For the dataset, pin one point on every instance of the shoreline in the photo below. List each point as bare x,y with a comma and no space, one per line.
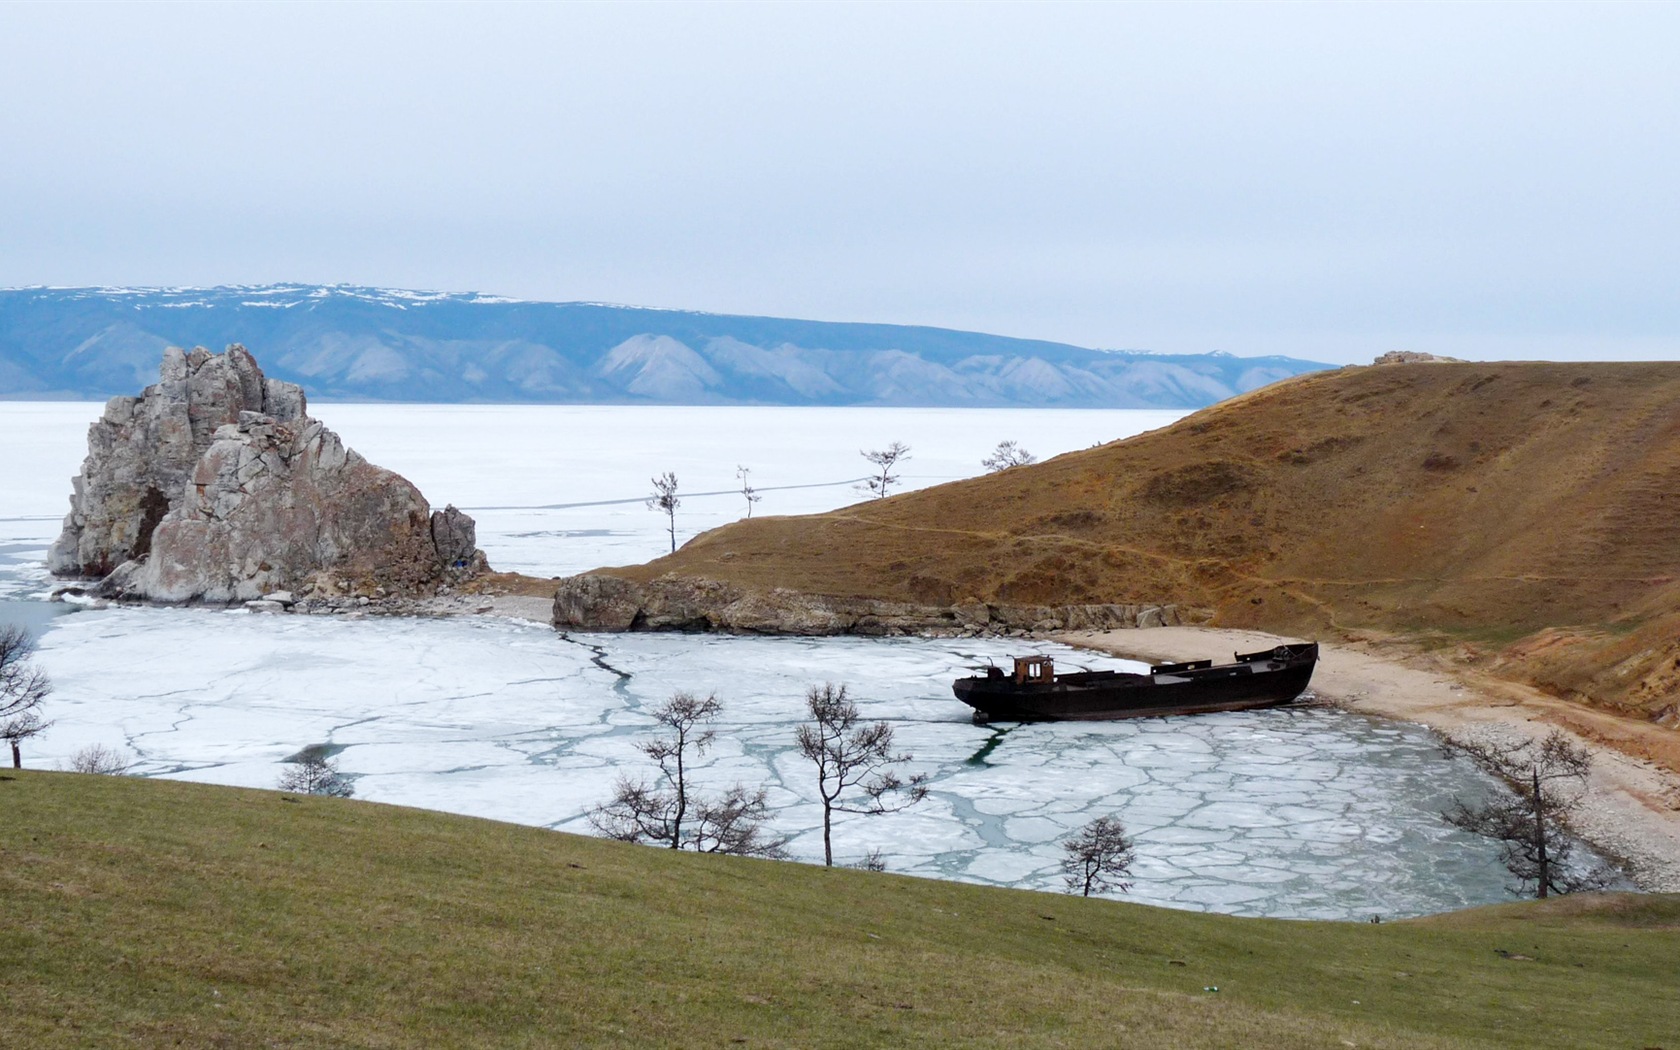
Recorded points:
1631,809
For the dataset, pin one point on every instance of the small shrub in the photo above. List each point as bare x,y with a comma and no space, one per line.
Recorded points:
315,774
102,760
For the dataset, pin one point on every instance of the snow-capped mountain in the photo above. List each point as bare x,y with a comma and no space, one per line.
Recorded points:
351,343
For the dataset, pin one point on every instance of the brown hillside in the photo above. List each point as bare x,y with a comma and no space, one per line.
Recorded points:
1525,510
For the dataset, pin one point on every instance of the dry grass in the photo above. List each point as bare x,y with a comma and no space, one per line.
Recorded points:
496,583
1475,504
154,913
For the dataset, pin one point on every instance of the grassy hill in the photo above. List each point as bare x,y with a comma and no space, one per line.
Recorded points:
1525,512
153,913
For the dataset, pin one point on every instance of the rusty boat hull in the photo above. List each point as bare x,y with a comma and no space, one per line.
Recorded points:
1036,694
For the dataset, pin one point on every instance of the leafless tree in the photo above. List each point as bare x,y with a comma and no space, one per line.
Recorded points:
1099,858
23,687
884,460
734,824
1531,822
315,774
644,812
668,812
747,491
849,755
1007,454
665,499
97,758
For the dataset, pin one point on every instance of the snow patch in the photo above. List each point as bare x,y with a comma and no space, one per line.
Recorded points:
658,366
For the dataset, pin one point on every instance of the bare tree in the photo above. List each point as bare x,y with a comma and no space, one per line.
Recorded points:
23,687
849,755
314,774
641,812
1545,778
1099,858
884,460
665,499
747,491
97,758
667,812
734,824
1007,454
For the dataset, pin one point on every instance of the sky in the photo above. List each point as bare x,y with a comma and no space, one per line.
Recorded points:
1329,181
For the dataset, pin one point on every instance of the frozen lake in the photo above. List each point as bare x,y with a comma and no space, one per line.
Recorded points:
560,488
1307,813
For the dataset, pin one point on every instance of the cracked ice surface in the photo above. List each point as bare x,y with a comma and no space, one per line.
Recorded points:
1299,812
1295,813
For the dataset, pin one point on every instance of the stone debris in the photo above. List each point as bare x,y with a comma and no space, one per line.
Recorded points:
215,485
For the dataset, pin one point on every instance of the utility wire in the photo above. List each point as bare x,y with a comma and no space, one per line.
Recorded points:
690,495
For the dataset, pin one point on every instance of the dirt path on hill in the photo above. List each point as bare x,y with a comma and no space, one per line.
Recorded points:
1632,808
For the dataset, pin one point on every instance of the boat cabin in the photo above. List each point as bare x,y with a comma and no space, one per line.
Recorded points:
1034,669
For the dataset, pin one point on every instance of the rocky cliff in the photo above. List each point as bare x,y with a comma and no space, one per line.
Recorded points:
215,485
599,602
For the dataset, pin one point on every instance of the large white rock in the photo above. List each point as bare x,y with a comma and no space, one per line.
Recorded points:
215,485
141,451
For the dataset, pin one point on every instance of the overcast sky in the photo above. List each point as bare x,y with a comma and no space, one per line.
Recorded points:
1323,181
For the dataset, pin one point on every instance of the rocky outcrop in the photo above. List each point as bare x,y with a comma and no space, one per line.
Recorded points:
143,449
598,602
1412,357
215,485
454,536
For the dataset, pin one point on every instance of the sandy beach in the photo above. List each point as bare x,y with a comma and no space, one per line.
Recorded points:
1632,805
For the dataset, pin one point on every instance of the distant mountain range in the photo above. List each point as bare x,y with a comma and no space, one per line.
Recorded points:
375,344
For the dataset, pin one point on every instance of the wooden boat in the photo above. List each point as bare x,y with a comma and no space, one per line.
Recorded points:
1036,693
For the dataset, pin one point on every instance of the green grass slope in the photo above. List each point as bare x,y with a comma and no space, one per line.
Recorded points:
154,913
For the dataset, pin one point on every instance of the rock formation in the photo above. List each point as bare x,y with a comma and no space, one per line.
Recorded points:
599,602
455,537
215,485
1412,357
